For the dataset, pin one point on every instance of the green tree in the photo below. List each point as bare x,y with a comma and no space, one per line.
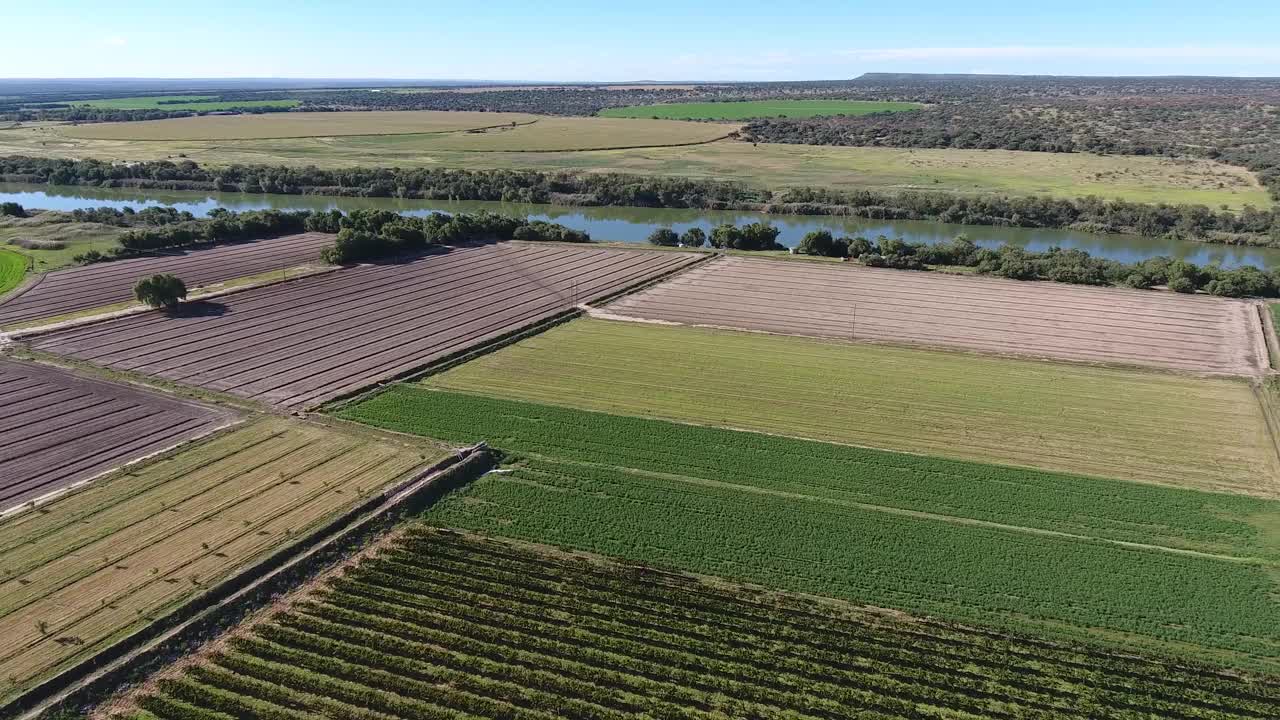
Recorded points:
693,237
665,237
160,291
816,242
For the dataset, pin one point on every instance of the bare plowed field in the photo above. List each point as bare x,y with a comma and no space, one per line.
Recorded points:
1039,319
300,343
106,560
57,427
103,284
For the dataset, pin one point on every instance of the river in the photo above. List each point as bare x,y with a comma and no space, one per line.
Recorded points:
629,224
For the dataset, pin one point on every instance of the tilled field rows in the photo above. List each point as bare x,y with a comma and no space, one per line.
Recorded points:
1107,325
57,427
107,559
448,626
94,286
304,342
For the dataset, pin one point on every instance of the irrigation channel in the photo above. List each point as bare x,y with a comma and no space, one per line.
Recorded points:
632,224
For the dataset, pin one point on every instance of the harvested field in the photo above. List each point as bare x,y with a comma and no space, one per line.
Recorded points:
300,343
104,561
449,625
295,125
57,428
102,284
1039,319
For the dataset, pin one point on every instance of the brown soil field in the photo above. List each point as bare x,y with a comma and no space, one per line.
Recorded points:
107,559
296,124
1037,319
102,284
57,428
300,343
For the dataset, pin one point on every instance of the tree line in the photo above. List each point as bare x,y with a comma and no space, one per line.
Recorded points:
1076,267
365,235
1252,226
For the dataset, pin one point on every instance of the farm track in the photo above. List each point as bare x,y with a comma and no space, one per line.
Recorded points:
1194,334
304,342
448,625
104,560
58,428
93,286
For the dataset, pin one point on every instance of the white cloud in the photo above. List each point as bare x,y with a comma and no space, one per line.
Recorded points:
1032,52
115,41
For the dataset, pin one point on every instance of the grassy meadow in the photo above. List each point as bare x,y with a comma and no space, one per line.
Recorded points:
75,238
13,267
749,109
1178,570
403,142
1138,425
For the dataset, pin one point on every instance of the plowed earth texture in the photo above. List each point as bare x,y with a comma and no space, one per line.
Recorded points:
102,284
1039,319
57,427
300,343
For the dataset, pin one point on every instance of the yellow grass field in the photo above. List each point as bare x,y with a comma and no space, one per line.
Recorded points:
1207,434
102,562
553,144
468,131
291,125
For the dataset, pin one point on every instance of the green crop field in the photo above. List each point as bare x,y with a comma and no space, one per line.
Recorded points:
65,239
749,109
12,269
174,102
1208,433
277,138
1185,571
443,625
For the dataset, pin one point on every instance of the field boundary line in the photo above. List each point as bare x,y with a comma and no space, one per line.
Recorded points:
1269,335
32,504
167,388
919,514
726,136
136,308
304,137
465,355
253,586
28,284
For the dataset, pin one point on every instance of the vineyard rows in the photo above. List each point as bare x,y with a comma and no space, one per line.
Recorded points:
846,522
451,626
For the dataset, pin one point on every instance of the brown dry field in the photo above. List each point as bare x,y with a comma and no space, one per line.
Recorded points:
58,428
295,124
300,343
106,560
101,284
1037,319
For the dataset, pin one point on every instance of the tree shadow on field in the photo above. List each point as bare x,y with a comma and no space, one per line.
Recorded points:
196,309
406,258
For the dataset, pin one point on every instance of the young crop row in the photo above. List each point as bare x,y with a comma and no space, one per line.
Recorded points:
975,573
452,626
1092,507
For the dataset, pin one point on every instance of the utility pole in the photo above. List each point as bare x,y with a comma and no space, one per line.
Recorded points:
853,321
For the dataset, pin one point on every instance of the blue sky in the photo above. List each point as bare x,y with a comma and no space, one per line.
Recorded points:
655,39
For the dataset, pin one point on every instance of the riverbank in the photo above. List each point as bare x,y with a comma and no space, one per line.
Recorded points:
633,224
1093,213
